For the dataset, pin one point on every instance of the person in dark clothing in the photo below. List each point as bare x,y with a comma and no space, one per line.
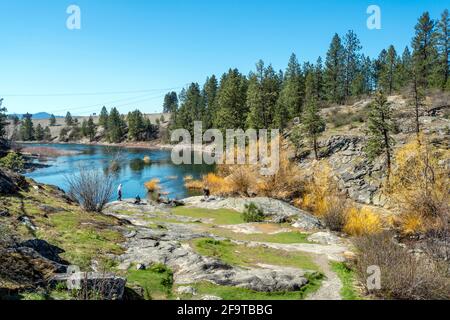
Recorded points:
137,200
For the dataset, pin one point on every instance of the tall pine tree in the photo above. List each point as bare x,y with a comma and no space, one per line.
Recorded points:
334,71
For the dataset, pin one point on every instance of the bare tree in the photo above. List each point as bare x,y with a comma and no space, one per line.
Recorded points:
92,188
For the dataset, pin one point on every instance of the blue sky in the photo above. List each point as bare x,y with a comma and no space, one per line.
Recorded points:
128,53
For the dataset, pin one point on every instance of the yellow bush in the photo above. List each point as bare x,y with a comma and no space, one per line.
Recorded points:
216,184
188,178
147,160
411,224
152,185
320,190
419,187
362,222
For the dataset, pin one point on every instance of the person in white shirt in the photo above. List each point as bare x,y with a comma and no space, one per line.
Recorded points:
119,192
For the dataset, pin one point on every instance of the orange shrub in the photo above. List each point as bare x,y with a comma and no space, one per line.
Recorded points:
152,185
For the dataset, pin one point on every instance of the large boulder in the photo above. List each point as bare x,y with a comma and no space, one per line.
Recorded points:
91,285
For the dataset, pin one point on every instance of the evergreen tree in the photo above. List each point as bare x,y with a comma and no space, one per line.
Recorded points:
91,129
352,48
69,120
318,79
135,125
52,120
363,82
379,129
334,71
262,96
3,122
103,118
39,133
209,94
27,128
424,45
405,68
443,42
150,130
191,109
116,126
291,98
170,102
312,123
388,71
231,104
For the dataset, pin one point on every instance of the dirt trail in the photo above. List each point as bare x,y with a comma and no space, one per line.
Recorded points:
331,286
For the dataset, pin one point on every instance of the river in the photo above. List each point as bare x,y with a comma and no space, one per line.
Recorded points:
130,169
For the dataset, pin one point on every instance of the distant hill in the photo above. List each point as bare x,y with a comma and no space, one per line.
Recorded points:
38,116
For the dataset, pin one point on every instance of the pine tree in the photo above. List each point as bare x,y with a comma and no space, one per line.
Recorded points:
312,123
39,133
388,71
291,98
209,94
91,129
363,82
3,122
231,104
405,68
116,126
135,125
170,102
379,130
52,120
69,120
103,118
424,45
262,96
352,48
334,71
150,130
318,79
443,42
191,109
27,128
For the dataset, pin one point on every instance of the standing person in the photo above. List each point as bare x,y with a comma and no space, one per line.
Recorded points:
119,192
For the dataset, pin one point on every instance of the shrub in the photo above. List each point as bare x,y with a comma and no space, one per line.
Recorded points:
216,184
193,184
241,180
91,188
403,275
12,161
362,222
335,215
152,185
252,213
419,188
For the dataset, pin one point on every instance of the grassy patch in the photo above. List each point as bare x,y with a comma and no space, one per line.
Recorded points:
156,281
84,236
245,256
221,216
347,278
234,293
282,237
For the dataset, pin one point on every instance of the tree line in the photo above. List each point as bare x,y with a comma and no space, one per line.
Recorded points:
267,98
116,128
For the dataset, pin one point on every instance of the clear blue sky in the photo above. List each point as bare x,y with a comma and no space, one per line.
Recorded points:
153,45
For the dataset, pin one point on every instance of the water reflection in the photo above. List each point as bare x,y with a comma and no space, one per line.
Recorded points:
127,165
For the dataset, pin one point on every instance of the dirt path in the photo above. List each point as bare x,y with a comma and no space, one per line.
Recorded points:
331,286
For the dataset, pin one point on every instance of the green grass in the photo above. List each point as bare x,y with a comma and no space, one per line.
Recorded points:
220,217
84,236
235,293
242,255
347,278
282,237
156,281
